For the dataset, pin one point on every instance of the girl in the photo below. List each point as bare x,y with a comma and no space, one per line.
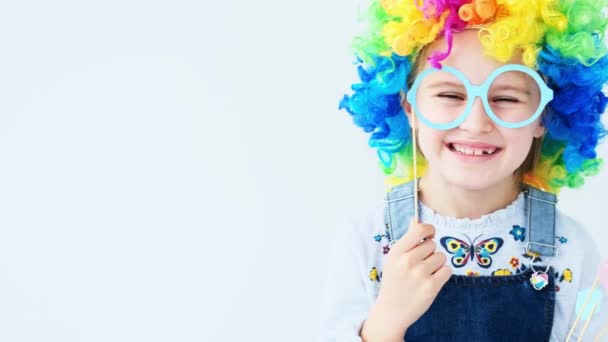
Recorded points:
504,99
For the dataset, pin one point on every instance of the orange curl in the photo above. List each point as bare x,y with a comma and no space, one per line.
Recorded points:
536,182
485,8
468,14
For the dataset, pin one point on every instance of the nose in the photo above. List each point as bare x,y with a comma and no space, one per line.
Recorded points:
478,120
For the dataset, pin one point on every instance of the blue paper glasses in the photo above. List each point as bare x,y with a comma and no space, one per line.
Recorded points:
513,96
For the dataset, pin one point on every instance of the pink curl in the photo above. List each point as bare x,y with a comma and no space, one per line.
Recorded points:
453,23
434,8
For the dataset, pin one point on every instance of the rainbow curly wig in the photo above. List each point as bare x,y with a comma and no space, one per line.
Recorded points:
563,40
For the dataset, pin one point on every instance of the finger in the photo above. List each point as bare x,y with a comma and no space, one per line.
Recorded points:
414,236
442,275
433,262
422,251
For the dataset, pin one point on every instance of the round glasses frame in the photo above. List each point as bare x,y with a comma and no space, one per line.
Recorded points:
473,91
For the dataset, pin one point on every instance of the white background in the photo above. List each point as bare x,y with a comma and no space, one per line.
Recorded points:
174,171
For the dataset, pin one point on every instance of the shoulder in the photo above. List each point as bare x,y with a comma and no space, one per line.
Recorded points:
571,233
362,231
363,222
577,250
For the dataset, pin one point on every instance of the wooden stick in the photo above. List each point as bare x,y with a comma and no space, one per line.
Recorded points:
416,218
580,337
578,317
602,333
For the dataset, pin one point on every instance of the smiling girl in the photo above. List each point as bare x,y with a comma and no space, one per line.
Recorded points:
505,98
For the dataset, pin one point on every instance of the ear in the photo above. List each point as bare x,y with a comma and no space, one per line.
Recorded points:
407,108
539,131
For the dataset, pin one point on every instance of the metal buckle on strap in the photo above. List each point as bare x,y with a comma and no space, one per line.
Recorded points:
527,247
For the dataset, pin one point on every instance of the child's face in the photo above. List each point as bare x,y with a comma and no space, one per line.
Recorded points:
474,172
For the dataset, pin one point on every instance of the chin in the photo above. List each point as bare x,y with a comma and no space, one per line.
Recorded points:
472,182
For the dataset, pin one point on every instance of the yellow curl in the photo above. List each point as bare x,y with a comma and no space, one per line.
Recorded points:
413,30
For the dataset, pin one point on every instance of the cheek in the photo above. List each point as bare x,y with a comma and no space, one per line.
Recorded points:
519,142
430,141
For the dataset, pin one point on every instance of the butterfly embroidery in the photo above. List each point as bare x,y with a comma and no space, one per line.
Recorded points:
463,252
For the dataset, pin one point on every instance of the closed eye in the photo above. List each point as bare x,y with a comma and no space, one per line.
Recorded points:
451,96
505,99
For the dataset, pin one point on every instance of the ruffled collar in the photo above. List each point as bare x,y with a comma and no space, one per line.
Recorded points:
511,214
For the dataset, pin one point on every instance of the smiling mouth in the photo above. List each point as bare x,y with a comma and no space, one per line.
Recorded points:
470,151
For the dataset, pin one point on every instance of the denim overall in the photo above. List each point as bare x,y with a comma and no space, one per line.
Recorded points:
486,308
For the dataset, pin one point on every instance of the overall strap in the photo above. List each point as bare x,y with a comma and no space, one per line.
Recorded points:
398,210
540,215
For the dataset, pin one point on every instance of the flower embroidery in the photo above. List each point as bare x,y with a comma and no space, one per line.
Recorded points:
561,239
518,233
514,262
385,249
501,272
532,255
378,237
566,275
373,274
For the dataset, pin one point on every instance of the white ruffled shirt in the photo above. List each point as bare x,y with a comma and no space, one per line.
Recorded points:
355,266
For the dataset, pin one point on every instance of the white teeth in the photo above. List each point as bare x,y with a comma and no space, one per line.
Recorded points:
473,151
